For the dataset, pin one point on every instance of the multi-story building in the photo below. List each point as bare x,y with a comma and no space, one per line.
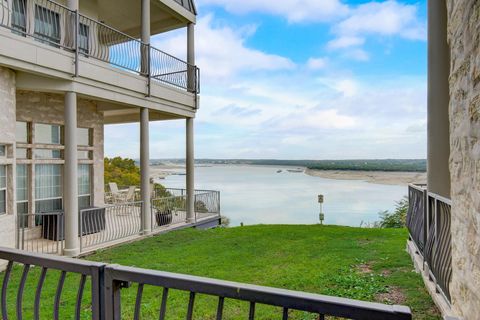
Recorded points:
67,69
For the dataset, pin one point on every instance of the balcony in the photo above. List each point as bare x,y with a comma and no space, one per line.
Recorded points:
45,38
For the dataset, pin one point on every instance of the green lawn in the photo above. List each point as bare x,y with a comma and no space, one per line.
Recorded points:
367,264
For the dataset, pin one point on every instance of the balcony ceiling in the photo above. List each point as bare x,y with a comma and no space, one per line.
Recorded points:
166,15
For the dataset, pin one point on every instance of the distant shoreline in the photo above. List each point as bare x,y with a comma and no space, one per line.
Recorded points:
378,177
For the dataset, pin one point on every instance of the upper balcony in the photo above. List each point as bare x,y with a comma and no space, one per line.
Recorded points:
54,48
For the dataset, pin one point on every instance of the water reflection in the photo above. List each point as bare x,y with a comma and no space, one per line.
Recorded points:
258,194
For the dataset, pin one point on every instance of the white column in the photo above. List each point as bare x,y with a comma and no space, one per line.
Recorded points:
145,170
191,56
72,4
190,167
70,183
438,145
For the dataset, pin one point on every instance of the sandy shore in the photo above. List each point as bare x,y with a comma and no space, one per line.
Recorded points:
381,177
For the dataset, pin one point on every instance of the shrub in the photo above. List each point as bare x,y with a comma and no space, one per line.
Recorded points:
397,218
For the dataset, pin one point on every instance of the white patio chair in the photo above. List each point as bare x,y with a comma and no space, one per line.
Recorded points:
130,196
116,194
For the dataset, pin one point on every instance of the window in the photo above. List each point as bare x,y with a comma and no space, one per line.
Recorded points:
48,188
22,153
21,132
47,25
47,133
19,22
22,189
84,155
83,136
48,154
83,38
3,189
3,151
84,186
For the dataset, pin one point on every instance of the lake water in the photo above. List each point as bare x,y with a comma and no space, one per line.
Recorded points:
260,195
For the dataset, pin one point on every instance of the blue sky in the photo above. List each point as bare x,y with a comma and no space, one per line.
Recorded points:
300,79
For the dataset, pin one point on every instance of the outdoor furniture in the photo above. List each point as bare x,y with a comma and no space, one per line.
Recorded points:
116,195
53,226
164,217
130,196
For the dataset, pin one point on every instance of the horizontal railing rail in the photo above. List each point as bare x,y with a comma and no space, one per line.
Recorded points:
41,232
429,224
54,24
108,281
104,225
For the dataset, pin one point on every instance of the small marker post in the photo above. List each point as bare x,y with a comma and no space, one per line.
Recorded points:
321,216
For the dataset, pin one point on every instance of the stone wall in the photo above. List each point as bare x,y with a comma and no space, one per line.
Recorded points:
464,40
7,137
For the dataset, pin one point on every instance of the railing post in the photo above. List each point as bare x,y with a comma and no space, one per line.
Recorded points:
149,69
425,222
76,30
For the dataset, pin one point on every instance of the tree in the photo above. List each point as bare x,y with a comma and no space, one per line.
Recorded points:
397,218
122,171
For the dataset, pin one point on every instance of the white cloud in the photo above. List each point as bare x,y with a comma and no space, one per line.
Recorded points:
345,42
316,63
221,51
293,10
387,18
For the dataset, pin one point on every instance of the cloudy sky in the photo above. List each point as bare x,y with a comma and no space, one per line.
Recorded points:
300,79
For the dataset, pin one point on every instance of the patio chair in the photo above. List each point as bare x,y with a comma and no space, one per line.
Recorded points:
116,194
130,196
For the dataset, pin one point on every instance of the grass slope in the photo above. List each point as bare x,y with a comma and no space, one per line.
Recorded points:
367,264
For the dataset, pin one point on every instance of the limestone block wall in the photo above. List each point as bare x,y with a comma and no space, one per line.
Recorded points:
7,137
464,40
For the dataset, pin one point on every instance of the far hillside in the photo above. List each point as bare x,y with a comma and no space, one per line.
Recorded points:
405,165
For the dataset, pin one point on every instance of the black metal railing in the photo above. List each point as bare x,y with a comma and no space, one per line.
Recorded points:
54,24
41,232
86,270
429,222
109,281
417,197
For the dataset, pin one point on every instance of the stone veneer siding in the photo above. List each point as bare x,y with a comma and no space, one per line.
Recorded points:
464,40
7,137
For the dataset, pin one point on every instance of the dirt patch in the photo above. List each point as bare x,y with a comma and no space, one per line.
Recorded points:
394,295
364,242
386,272
365,268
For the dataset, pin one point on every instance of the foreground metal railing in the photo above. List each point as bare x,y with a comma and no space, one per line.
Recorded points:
108,224
54,24
109,282
41,232
50,266
429,222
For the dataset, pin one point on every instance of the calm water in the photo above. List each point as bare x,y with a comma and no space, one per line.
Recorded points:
258,194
